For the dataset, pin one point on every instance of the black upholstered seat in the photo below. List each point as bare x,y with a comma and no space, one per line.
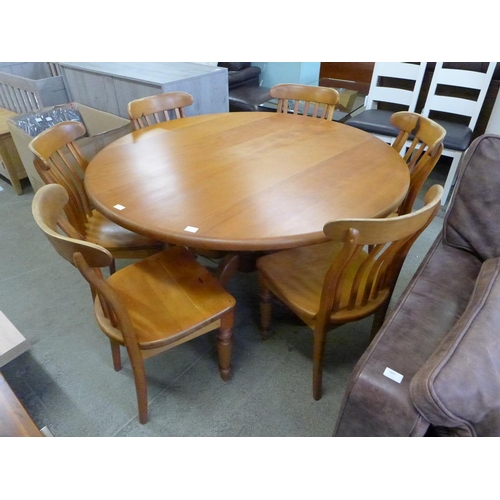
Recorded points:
374,121
458,137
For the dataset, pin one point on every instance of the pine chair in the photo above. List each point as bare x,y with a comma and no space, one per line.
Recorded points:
164,107
308,100
148,307
336,282
58,160
395,86
447,104
157,108
420,141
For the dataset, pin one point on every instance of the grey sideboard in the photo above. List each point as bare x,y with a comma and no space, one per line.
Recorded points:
111,86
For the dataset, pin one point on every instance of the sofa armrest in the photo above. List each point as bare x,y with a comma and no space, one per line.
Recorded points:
433,301
459,385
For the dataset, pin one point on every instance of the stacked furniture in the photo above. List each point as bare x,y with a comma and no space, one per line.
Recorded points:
433,368
28,86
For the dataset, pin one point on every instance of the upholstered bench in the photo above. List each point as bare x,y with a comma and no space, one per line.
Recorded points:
434,366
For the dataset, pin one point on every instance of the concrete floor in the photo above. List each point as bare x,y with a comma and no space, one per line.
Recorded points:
66,380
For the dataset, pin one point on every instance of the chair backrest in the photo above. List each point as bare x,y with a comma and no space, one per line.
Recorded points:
58,160
359,281
442,96
48,209
422,141
318,102
387,85
157,108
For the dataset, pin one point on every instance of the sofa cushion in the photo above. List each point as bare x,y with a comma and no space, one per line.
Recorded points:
471,220
374,121
459,385
434,300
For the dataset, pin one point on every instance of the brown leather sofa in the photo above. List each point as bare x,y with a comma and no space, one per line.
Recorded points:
443,335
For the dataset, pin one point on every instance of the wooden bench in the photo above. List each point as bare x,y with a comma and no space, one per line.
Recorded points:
14,419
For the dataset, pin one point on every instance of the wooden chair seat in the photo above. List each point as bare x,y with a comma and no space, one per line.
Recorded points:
297,276
121,242
173,300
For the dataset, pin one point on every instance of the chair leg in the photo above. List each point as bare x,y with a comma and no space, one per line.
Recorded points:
265,307
378,319
318,357
450,179
115,353
225,344
141,387
227,268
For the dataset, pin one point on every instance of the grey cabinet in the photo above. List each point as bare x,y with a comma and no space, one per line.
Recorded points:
111,86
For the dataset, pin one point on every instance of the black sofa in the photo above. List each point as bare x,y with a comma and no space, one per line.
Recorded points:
245,93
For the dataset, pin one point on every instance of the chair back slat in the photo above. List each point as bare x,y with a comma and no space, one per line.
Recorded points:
154,109
308,100
420,141
59,160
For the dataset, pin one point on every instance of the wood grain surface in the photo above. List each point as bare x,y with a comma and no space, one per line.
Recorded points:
245,181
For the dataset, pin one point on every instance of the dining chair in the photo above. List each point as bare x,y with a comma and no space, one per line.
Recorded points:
339,281
157,108
58,160
308,100
148,307
395,86
420,142
454,100
164,107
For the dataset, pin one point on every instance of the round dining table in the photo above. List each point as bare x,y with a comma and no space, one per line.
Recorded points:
246,181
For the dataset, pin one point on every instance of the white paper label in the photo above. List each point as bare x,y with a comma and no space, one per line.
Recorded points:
397,377
119,207
191,229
